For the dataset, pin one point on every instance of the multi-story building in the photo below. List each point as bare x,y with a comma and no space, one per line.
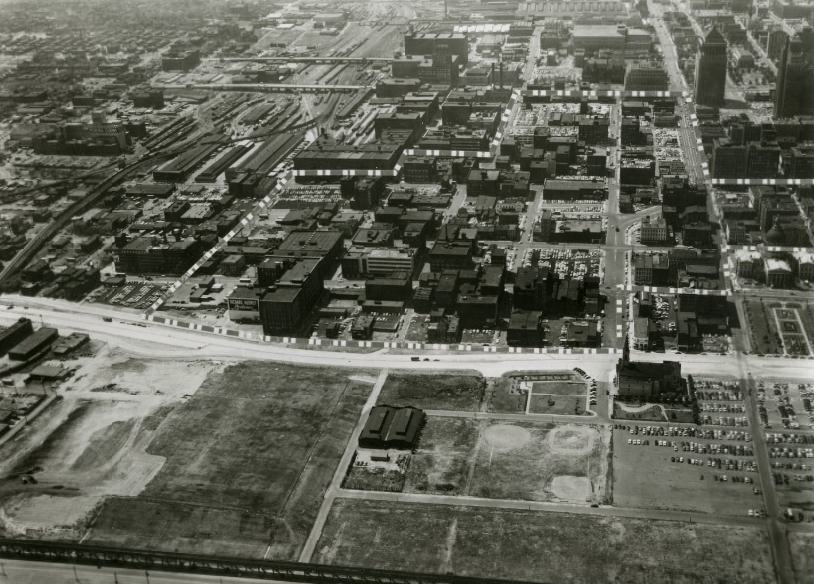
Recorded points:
654,231
437,44
378,261
649,269
728,159
291,297
795,81
762,160
646,77
710,76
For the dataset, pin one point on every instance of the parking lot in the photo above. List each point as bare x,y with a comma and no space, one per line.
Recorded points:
567,263
785,408
685,467
138,295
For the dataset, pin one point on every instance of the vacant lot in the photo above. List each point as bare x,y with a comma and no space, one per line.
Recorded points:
504,397
541,546
247,460
645,477
90,444
444,459
542,462
434,391
571,405
801,545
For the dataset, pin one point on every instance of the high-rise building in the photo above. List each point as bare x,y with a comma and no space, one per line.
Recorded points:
776,42
710,71
795,79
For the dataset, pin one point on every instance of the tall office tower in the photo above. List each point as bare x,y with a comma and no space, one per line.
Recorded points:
795,80
710,71
776,43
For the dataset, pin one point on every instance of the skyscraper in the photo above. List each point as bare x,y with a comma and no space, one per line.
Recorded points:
710,71
795,79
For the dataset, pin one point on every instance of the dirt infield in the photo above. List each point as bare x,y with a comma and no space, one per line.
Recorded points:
506,437
571,440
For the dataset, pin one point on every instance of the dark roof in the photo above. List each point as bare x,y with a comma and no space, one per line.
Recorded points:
715,37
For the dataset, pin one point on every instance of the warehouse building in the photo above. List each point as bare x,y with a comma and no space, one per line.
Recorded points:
33,344
14,335
391,427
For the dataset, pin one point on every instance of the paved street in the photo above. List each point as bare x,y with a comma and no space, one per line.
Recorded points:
147,339
607,511
336,483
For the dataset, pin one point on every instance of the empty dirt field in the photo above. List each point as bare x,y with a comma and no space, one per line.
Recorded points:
644,476
434,391
541,546
246,461
91,443
494,459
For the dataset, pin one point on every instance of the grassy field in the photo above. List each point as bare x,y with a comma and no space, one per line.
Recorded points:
573,405
645,477
434,391
654,413
247,460
504,398
541,546
443,461
801,545
762,328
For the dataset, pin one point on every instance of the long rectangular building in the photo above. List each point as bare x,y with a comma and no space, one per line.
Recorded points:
14,335
33,344
332,156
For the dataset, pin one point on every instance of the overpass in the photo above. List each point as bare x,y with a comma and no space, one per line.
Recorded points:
311,60
263,87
